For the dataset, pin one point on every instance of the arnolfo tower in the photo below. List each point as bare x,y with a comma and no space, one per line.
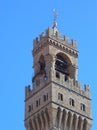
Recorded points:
57,101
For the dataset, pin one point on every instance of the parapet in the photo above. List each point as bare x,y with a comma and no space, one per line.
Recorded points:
54,36
75,87
28,91
82,90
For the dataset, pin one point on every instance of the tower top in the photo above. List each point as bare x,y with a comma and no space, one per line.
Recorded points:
57,100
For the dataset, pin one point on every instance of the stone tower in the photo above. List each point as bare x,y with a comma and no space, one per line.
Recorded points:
57,101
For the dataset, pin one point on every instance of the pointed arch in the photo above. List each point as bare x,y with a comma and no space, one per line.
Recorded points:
79,122
47,116
30,125
63,120
64,65
39,121
58,117
35,124
74,123
43,119
85,124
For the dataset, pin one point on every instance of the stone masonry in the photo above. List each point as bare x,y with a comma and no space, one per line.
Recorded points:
57,100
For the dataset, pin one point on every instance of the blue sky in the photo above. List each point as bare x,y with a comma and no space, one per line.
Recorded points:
20,22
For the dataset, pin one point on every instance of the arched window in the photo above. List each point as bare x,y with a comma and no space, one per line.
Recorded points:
61,64
60,96
42,64
82,107
71,101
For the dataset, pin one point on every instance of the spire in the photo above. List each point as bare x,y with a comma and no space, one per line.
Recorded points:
55,30
55,18
55,14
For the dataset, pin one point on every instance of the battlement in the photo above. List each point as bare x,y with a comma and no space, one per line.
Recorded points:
52,36
28,91
70,85
83,90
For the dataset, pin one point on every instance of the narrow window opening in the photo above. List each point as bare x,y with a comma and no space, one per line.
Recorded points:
71,102
45,97
29,108
66,79
82,107
37,103
57,75
60,96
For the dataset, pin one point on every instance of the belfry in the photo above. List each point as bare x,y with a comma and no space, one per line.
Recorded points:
56,100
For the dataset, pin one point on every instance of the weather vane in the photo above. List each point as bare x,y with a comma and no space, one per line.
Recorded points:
55,14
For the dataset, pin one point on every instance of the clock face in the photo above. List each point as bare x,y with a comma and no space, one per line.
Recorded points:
45,78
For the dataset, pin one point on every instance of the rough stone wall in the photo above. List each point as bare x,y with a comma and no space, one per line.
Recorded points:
48,105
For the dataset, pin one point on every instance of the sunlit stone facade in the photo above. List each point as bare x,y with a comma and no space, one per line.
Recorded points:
56,100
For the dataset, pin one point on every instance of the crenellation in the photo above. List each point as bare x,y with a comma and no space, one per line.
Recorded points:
56,40
36,41
74,44
43,38
83,92
27,91
53,33
51,37
48,32
69,84
57,100
42,34
66,40
78,85
87,88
